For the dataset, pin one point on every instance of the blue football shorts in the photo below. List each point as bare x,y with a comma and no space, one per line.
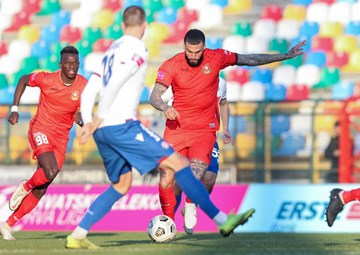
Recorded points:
214,164
130,145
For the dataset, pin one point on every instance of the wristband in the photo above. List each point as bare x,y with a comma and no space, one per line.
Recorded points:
14,108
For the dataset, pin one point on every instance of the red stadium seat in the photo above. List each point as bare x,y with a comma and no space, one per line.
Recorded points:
239,75
3,48
272,11
31,6
113,5
177,31
337,59
322,43
297,92
187,15
329,2
18,20
70,34
102,44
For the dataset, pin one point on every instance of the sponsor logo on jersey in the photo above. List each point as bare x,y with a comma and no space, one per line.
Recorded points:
161,75
75,95
206,69
138,59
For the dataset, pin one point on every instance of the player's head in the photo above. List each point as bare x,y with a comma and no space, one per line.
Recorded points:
134,21
194,44
69,62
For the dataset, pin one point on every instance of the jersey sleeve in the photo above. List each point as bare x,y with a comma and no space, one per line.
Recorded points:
222,88
36,78
88,97
165,74
227,58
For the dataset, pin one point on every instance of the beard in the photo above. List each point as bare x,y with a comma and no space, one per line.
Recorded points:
194,64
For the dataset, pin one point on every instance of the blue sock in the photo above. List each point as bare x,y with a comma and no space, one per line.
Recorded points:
100,207
196,191
178,201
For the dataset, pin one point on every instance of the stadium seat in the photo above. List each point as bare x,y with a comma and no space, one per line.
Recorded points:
5,21
213,42
275,92
94,7
254,44
113,32
158,31
11,6
324,123
50,63
234,43
320,43
264,29
92,34
263,75
306,47
187,15
31,6
19,49
294,12
237,7
61,18
115,5
176,4
242,28
7,95
103,19
300,123
322,141
3,81
245,143
50,7
352,28
102,44
18,145
295,62
29,64
302,2
167,15
3,48
328,77
196,5
340,12
40,49
307,75
287,29
279,45
354,62
30,33
297,92
84,47
331,29
337,59
237,124
253,91
154,5
328,2
279,124
70,34
80,18
177,32
309,29
284,75
19,19
292,143
238,74
221,3
209,17
50,33
317,12
234,91
346,43
342,90
272,11
355,12
144,97
317,58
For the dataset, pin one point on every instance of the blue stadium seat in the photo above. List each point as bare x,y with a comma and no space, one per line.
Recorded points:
40,49
342,90
144,98
7,95
221,3
275,92
309,29
61,18
237,124
263,75
353,28
50,33
167,15
128,3
306,47
317,58
291,144
213,42
302,2
279,124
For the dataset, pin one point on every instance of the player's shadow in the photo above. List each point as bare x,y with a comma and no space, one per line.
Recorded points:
56,235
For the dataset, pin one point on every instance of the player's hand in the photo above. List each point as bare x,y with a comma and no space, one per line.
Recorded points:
96,123
13,118
296,50
171,113
227,137
78,119
84,133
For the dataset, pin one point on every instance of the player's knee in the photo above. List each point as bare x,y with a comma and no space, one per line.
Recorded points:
51,172
39,192
124,184
166,179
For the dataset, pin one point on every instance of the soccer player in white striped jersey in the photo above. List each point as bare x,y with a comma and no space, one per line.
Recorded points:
123,142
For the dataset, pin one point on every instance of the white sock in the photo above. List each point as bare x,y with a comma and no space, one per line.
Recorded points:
79,233
341,196
220,218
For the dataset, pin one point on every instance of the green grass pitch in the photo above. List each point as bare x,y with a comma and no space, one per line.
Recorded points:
38,243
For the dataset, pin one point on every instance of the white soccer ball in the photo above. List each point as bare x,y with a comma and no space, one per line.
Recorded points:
161,228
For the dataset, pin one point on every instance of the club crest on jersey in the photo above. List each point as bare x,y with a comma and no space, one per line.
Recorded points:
206,69
75,95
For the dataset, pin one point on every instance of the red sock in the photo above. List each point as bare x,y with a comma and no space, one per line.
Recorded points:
167,201
351,195
38,179
29,203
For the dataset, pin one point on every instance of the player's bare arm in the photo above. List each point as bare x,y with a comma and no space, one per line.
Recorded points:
199,168
262,59
20,88
156,101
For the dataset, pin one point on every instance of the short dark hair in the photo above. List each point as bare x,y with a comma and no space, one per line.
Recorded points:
194,36
68,50
134,16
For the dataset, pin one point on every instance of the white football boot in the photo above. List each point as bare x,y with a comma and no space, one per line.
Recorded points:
190,217
18,196
6,231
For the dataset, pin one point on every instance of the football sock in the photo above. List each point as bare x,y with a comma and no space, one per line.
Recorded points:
100,207
79,233
36,180
29,203
352,195
167,201
178,201
220,218
196,191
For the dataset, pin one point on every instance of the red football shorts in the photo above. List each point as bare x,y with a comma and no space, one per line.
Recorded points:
42,141
192,144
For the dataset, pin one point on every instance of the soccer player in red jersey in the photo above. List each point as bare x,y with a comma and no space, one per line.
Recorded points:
192,120
48,130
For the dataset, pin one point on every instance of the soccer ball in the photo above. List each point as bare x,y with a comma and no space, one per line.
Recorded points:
161,228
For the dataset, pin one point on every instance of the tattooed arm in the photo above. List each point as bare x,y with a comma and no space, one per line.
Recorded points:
157,102
262,59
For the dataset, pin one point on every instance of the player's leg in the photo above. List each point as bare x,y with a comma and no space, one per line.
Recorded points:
339,198
196,191
166,193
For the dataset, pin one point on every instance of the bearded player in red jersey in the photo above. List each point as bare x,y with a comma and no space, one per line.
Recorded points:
193,119
48,130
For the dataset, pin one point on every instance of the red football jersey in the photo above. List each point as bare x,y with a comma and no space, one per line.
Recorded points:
195,88
58,103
